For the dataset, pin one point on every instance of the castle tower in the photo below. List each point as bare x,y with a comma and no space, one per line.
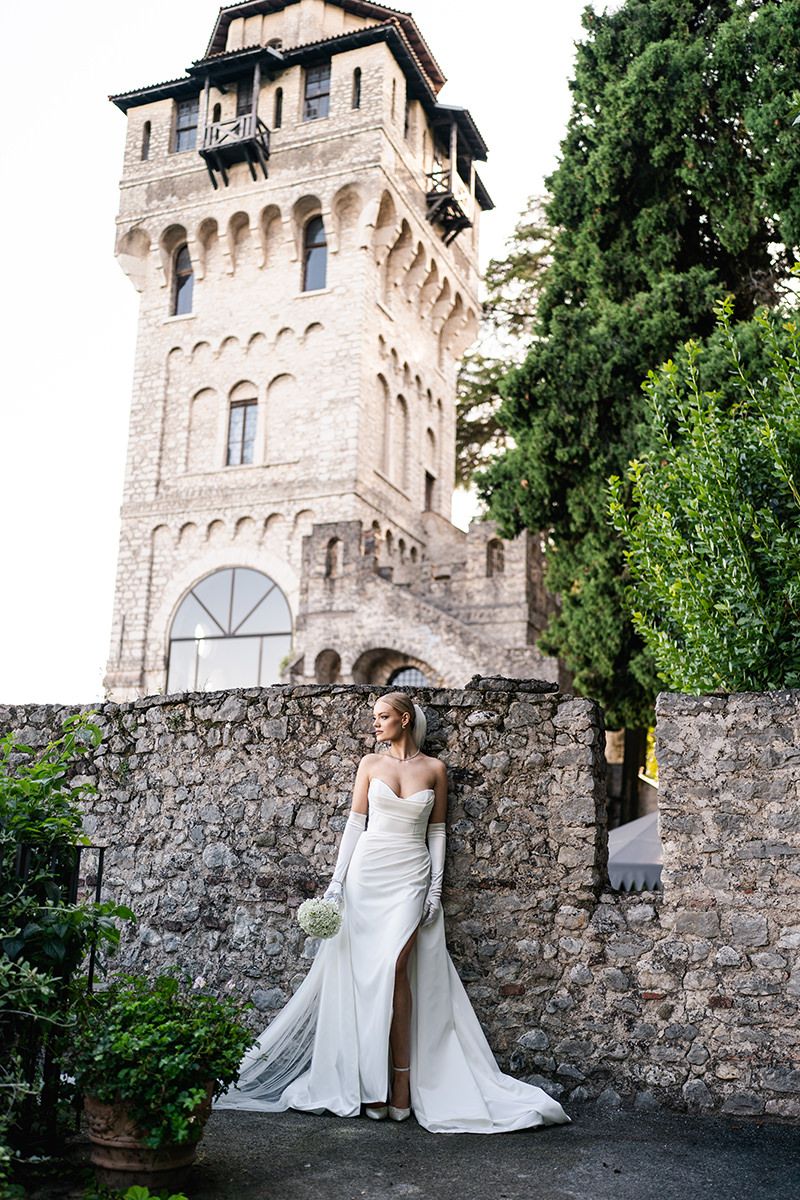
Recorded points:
300,215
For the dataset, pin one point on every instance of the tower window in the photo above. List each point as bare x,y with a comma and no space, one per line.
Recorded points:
216,113
357,88
277,116
495,557
182,283
318,92
430,486
146,130
241,432
394,97
407,119
315,255
244,96
186,124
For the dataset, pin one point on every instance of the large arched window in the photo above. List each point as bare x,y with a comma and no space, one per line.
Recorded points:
231,630
182,282
315,255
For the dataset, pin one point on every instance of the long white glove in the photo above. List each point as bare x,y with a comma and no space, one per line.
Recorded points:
356,824
437,842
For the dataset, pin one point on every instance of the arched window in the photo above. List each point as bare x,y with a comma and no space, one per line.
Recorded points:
495,557
242,418
315,255
232,629
385,421
277,114
408,677
146,131
182,282
394,97
216,113
401,443
357,88
333,559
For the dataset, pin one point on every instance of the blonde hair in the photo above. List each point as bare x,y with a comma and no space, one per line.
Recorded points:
403,703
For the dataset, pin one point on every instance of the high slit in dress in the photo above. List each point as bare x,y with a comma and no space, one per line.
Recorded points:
328,1048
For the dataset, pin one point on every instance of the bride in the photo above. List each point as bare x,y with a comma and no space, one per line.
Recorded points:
382,1019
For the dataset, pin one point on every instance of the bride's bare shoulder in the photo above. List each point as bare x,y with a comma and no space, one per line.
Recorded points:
367,760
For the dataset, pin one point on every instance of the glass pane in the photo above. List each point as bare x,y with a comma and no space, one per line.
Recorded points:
271,616
248,588
235,435
192,620
181,667
215,593
184,286
185,138
316,262
227,663
273,651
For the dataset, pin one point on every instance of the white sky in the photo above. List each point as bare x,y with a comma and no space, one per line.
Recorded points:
69,314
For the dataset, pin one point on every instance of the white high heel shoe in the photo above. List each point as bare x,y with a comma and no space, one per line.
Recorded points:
399,1114
377,1112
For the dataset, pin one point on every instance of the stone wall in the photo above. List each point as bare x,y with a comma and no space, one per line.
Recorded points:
222,813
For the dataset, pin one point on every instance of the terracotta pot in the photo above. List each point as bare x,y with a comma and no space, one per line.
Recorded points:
118,1152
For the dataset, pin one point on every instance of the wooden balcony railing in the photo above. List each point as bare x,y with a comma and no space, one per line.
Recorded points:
243,139
449,203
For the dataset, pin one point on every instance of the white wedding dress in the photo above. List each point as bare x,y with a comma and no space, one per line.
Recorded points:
328,1048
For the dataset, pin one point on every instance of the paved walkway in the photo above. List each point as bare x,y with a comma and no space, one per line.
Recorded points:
602,1155
618,1155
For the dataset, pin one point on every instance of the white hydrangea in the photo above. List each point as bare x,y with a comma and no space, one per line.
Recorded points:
320,918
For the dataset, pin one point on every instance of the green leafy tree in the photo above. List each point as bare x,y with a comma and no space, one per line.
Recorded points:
512,288
712,531
678,182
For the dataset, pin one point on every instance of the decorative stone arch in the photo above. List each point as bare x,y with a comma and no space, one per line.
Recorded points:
387,227
238,240
346,208
385,425
270,233
207,238
133,253
378,663
400,254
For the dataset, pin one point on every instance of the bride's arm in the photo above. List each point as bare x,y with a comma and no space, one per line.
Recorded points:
437,842
353,830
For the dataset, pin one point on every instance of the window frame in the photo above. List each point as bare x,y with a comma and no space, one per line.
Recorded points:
250,405
309,248
181,129
322,98
181,276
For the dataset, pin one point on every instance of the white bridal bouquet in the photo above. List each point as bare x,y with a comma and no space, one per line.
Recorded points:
320,918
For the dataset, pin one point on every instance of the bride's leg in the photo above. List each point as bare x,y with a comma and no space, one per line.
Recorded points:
400,1030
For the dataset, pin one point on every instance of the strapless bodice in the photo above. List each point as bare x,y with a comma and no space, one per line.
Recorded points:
396,815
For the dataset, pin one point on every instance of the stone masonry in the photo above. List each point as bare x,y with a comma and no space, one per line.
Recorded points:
222,812
354,382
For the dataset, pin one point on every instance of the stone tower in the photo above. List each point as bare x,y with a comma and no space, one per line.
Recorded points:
300,216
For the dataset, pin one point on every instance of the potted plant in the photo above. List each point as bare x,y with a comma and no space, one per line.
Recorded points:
149,1059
